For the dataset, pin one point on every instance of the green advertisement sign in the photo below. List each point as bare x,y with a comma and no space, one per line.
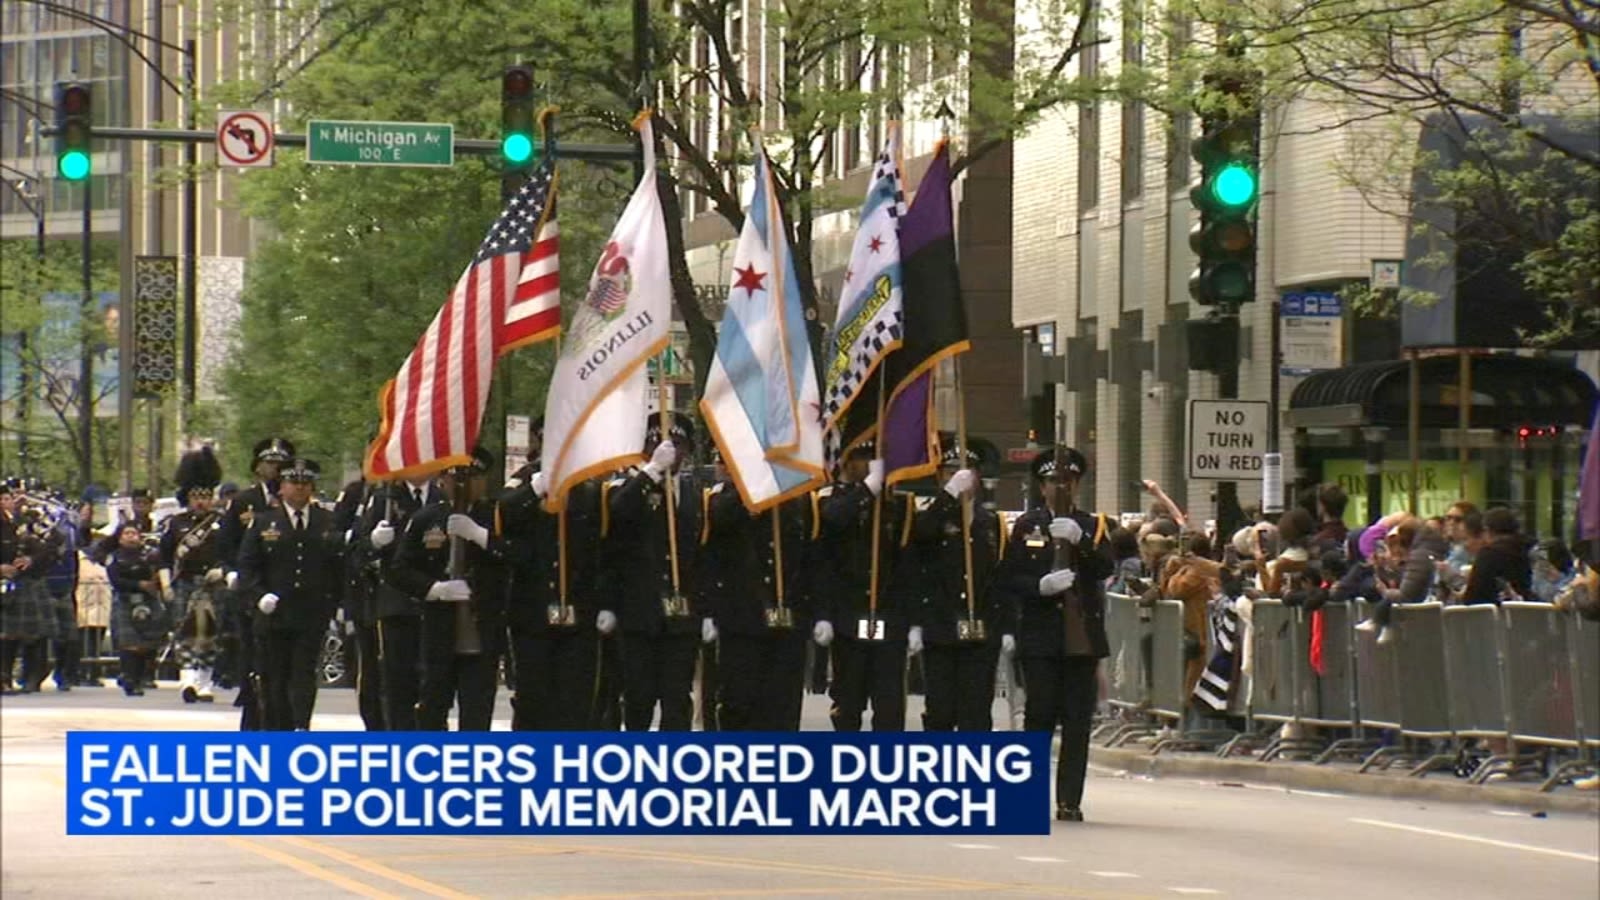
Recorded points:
1439,486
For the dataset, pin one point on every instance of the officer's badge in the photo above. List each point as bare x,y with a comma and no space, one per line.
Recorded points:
271,534
434,538
1036,539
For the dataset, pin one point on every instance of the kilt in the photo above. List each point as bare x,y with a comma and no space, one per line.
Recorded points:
27,611
94,594
135,632
66,606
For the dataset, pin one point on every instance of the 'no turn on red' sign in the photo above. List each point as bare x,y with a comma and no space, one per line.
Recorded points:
244,139
1226,439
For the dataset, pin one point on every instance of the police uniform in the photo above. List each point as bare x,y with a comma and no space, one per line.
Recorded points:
869,647
357,601
397,614
553,638
462,636
237,656
958,664
294,556
761,642
661,623
1061,637
189,553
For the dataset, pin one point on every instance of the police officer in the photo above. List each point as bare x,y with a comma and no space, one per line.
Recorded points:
1054,570
463,606
357,601
290,562
752,570
190,542
398,614
554,637
660,617
872,641
963,640
270,455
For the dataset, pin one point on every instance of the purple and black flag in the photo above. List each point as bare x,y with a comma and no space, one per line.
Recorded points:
934,327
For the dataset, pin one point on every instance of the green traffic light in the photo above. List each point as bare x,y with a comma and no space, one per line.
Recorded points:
73,165
1235,185
516,148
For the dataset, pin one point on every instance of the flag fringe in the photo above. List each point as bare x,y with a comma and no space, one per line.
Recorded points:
557,497
817,476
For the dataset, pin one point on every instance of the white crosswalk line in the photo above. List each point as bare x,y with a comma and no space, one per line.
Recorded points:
1187,890
1113,874
975,846
1049,859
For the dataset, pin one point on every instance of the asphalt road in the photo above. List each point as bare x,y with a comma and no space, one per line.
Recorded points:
1166,838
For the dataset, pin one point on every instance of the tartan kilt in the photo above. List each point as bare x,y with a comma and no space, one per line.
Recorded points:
130,632
66,605
27,611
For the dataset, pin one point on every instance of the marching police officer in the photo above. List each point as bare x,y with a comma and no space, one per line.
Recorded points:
553,605
650,565
270,454
291,562
874,636
190,542
1054,569
463,605
398,614
964,635
753,577
357,599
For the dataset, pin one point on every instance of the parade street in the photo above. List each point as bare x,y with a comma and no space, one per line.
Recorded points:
1143,838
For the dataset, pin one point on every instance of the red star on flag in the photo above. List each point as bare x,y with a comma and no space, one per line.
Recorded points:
877,243
749,279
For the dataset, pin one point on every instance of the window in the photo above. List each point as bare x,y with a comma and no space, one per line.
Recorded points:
1132,110
1179,138
1089,130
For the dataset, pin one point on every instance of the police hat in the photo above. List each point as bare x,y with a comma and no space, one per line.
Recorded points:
300,470
1044,465
681,433
275,450
951,457
866,449
139,494
228,489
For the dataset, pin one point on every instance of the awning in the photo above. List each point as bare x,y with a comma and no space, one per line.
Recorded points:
1507,392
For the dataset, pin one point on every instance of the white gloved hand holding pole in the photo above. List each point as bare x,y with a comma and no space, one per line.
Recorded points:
540,485
708,631
454,591
822,632
267,604
661,461
463,526
914,640
382,535
874,479
232,581
1063,528
215,575
1056,582
605,622
961,483
1008,645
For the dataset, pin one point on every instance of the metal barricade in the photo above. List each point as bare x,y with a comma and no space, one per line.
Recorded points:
1127,677
1333,697
1166,670
1473,669
1424,694
1584,636
1276,632
1539,696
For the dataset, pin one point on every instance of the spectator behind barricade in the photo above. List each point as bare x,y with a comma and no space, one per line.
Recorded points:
1582,595
1285,571
1158,542
1415,550
1164,507
1553,570
1193,580
1464,529
1500,571
1331,530
1125,550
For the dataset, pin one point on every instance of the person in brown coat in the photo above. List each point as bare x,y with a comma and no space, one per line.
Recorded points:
1192,579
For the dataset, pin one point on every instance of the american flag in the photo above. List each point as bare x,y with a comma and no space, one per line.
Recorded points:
507,298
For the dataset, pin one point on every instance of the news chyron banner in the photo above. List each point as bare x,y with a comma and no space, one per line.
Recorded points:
330,783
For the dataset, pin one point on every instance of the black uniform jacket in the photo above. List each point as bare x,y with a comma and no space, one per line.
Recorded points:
302,567
934,552
1029,556
638,566
422,557
394,503
843,597
738,560
535,556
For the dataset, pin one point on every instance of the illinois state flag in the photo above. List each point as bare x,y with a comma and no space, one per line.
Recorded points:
595,412
761,401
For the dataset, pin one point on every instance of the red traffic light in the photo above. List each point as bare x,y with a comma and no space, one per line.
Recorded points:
73,100
517,83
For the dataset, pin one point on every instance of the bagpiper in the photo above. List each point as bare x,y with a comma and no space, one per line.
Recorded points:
28,549
190,550
141,608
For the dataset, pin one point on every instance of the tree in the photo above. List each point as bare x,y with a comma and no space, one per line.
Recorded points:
1514,87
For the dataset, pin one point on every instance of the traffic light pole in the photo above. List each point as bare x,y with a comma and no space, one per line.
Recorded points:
1230,516
86,364
191,244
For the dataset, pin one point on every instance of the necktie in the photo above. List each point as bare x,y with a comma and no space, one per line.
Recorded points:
299,521
416,494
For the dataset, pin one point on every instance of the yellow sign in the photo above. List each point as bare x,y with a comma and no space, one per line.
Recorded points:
1439,486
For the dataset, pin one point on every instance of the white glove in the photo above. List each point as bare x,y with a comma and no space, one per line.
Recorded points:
540,485
874,480
605,622
708,631
267,604
232,581
914,640
214,575
960,483
661,461
1066,529
464,527
1008,645
382,535
1057,581
822,632
456,591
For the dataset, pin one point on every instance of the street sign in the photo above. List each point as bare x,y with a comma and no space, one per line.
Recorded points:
519,441
1312,332
380,143
245,139
1386,274
1226,439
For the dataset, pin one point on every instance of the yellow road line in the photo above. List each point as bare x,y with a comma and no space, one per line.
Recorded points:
311,869
834,891
379,869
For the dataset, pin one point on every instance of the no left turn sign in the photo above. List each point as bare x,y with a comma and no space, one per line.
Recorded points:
244,139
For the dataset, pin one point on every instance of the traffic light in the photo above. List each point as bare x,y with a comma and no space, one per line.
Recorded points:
73,130
517,118
1228,189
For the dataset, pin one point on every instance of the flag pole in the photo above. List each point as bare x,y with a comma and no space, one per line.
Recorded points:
777,554
666,435
966,496
877,513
